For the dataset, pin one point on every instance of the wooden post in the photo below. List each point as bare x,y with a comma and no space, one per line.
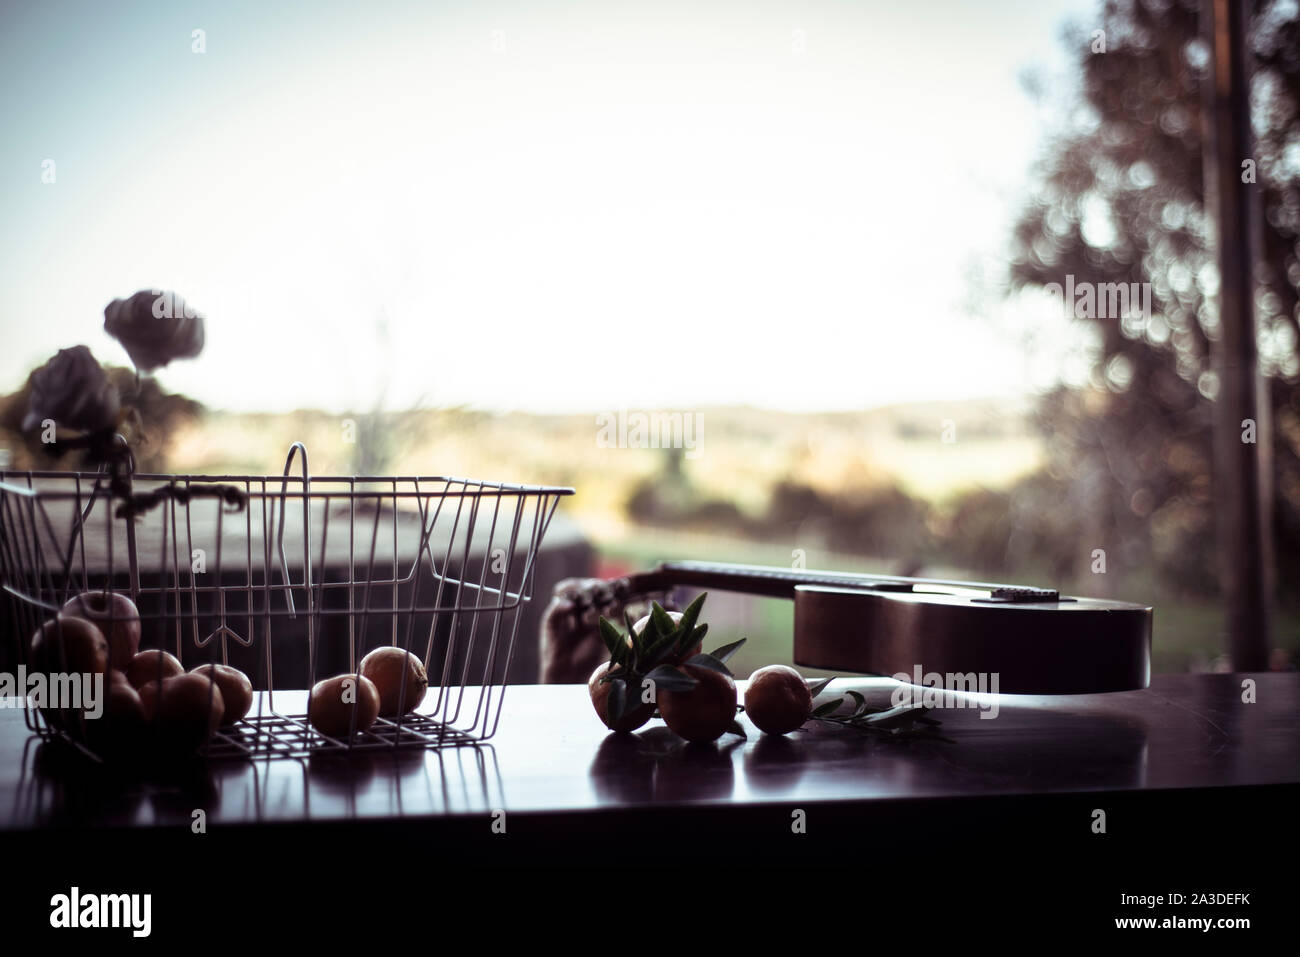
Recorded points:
1241,467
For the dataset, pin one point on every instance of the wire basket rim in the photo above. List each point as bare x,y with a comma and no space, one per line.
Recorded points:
469,484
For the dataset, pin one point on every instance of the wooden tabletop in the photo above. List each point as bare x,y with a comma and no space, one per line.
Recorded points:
1185,773
551,754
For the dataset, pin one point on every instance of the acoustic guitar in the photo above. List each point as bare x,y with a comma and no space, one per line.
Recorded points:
1034,639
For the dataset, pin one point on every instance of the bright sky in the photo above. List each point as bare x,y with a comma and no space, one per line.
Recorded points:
552,206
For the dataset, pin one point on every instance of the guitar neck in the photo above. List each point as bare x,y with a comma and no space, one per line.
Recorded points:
773,582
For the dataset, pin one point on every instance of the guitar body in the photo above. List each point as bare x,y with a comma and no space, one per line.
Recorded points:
1076,647
1033,639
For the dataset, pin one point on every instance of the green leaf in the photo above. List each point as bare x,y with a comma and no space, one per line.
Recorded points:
664,625
688,641
861,709
692,614
658,651
903,714
633,653
619,655
650,633
703,660
818,687
830,707
735,728
671,679
726,651
609,631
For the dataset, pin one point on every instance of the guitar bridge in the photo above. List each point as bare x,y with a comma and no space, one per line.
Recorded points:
1021,593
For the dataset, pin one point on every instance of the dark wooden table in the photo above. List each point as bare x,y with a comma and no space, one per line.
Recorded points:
1186,772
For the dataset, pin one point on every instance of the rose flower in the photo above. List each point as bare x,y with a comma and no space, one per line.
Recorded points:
155,328
72,390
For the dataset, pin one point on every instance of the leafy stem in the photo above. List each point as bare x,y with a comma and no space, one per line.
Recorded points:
902,721
658,653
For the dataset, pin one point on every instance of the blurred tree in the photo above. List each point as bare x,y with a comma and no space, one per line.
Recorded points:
1119,199
373,430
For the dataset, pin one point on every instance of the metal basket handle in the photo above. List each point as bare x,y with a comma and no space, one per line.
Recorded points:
294,449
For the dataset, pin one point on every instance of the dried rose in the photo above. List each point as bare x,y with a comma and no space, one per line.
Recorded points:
73,391
154,327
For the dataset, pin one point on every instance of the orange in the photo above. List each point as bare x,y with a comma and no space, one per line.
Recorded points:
600,690
777,699
116,616
236,690
706,711
390,668
182,712
152,665
333,701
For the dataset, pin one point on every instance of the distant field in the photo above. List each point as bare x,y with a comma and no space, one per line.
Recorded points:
741,452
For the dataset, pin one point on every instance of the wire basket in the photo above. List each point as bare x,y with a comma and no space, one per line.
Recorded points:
292,578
